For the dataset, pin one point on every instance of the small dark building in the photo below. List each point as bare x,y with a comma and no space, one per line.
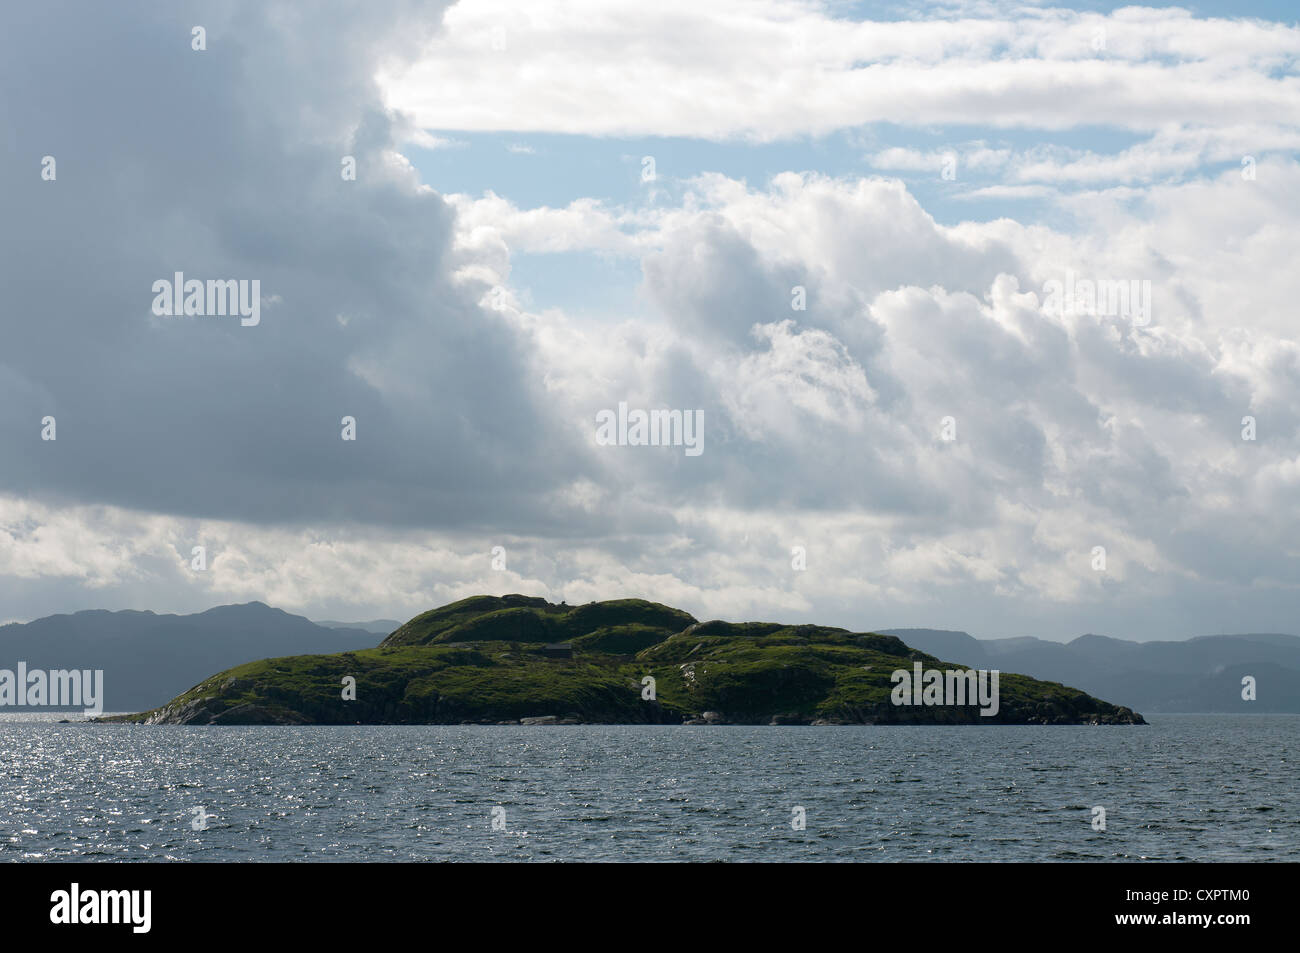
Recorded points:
558,650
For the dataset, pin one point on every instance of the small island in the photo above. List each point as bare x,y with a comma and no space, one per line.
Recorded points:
522,660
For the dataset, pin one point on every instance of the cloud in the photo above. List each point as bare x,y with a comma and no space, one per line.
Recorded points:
682,69
1110,433
227,163
827,326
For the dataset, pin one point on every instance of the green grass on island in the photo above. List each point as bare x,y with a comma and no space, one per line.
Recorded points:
507,659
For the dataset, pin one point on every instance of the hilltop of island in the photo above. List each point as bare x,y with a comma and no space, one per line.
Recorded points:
519,659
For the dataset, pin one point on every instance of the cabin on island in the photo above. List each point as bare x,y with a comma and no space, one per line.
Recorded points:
558,649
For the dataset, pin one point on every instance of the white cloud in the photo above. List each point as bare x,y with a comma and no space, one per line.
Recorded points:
678,68
1074,430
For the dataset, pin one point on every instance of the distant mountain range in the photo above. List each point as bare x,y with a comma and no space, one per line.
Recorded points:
1196,675
148,658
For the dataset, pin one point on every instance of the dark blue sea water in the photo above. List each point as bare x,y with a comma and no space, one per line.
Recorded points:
1186,787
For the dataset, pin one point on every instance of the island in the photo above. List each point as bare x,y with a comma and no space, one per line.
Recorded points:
523,660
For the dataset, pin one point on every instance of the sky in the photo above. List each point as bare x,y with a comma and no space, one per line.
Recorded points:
860,243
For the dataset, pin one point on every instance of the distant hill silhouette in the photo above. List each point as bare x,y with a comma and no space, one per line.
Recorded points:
1197,675
148,658
377,626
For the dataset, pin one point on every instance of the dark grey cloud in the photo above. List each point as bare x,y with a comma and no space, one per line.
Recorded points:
225,163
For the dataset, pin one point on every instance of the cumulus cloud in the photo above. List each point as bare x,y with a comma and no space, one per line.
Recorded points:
887,393
1074,430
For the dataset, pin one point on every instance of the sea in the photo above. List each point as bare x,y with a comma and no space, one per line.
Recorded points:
1183,788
